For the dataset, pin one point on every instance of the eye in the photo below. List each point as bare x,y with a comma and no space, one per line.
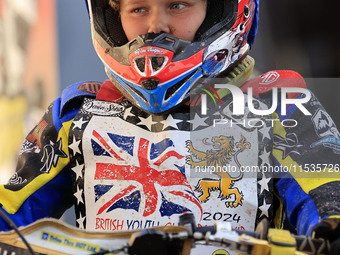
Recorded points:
138,10
177,6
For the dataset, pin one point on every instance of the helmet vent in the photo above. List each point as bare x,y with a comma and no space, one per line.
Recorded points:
157,62
167,41
140,63
139,94
170,40
150,84
132,43
172,90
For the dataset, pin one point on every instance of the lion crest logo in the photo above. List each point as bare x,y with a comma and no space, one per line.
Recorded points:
224,150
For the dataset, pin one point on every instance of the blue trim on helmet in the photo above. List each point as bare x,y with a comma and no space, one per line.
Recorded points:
255,24
155,97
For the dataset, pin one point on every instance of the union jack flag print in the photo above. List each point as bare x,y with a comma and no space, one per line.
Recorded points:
143,176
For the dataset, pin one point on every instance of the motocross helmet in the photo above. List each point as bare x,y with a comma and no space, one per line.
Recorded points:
157,72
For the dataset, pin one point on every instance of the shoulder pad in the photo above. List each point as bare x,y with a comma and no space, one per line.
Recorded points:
72,96
275,79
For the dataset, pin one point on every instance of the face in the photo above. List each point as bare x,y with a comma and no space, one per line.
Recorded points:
179,18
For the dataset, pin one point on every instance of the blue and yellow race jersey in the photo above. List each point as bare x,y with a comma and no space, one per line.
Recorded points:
124,169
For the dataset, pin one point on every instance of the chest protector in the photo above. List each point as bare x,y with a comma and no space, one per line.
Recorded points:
134,170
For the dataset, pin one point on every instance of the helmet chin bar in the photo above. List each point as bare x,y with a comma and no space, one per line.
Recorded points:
160,99
236,75
149,94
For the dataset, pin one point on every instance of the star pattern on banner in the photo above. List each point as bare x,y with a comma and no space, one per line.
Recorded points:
74,146
264,208
80,221
78,169
264,183
79,123
264,180
170,122
198,121
78,195
146,122
265,132
127,113
265,157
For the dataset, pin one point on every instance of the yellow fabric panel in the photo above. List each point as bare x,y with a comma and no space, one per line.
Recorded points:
278,214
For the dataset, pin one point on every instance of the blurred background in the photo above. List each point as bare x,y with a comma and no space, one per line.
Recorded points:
45,46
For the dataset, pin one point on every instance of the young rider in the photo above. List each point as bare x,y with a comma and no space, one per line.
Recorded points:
133,152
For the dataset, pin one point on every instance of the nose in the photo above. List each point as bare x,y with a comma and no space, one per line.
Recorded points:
159,22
